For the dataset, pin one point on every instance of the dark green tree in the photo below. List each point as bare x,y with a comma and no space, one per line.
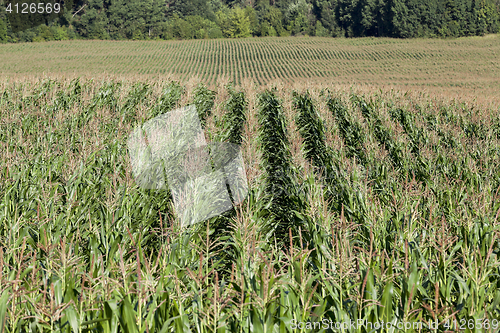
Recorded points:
252,18
325,13
190,7
92,21
135,19
184,19
404,25
270,17
154,15
3,31
375,18
181,29
234,23
118,15
349,17
297,17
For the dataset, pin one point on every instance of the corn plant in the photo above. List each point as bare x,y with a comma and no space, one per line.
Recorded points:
236,108
203,99
168,100
312,130
350,130
276,160
137,95
496,128
384,135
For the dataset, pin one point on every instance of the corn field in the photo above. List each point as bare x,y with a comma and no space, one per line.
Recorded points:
463,64
363,206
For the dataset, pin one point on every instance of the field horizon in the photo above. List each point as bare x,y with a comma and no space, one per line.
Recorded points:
462,67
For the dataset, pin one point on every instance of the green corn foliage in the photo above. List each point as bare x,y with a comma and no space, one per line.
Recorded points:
462,119
496,128
66,99
203,99
346,198
350,130
106,96
417,135
236,108
83,249
276,160
312,130
418,138
169,99
383,134
137,96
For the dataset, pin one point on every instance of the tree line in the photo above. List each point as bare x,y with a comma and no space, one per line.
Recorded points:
199,19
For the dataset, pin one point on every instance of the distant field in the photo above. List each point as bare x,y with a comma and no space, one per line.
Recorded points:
469,65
